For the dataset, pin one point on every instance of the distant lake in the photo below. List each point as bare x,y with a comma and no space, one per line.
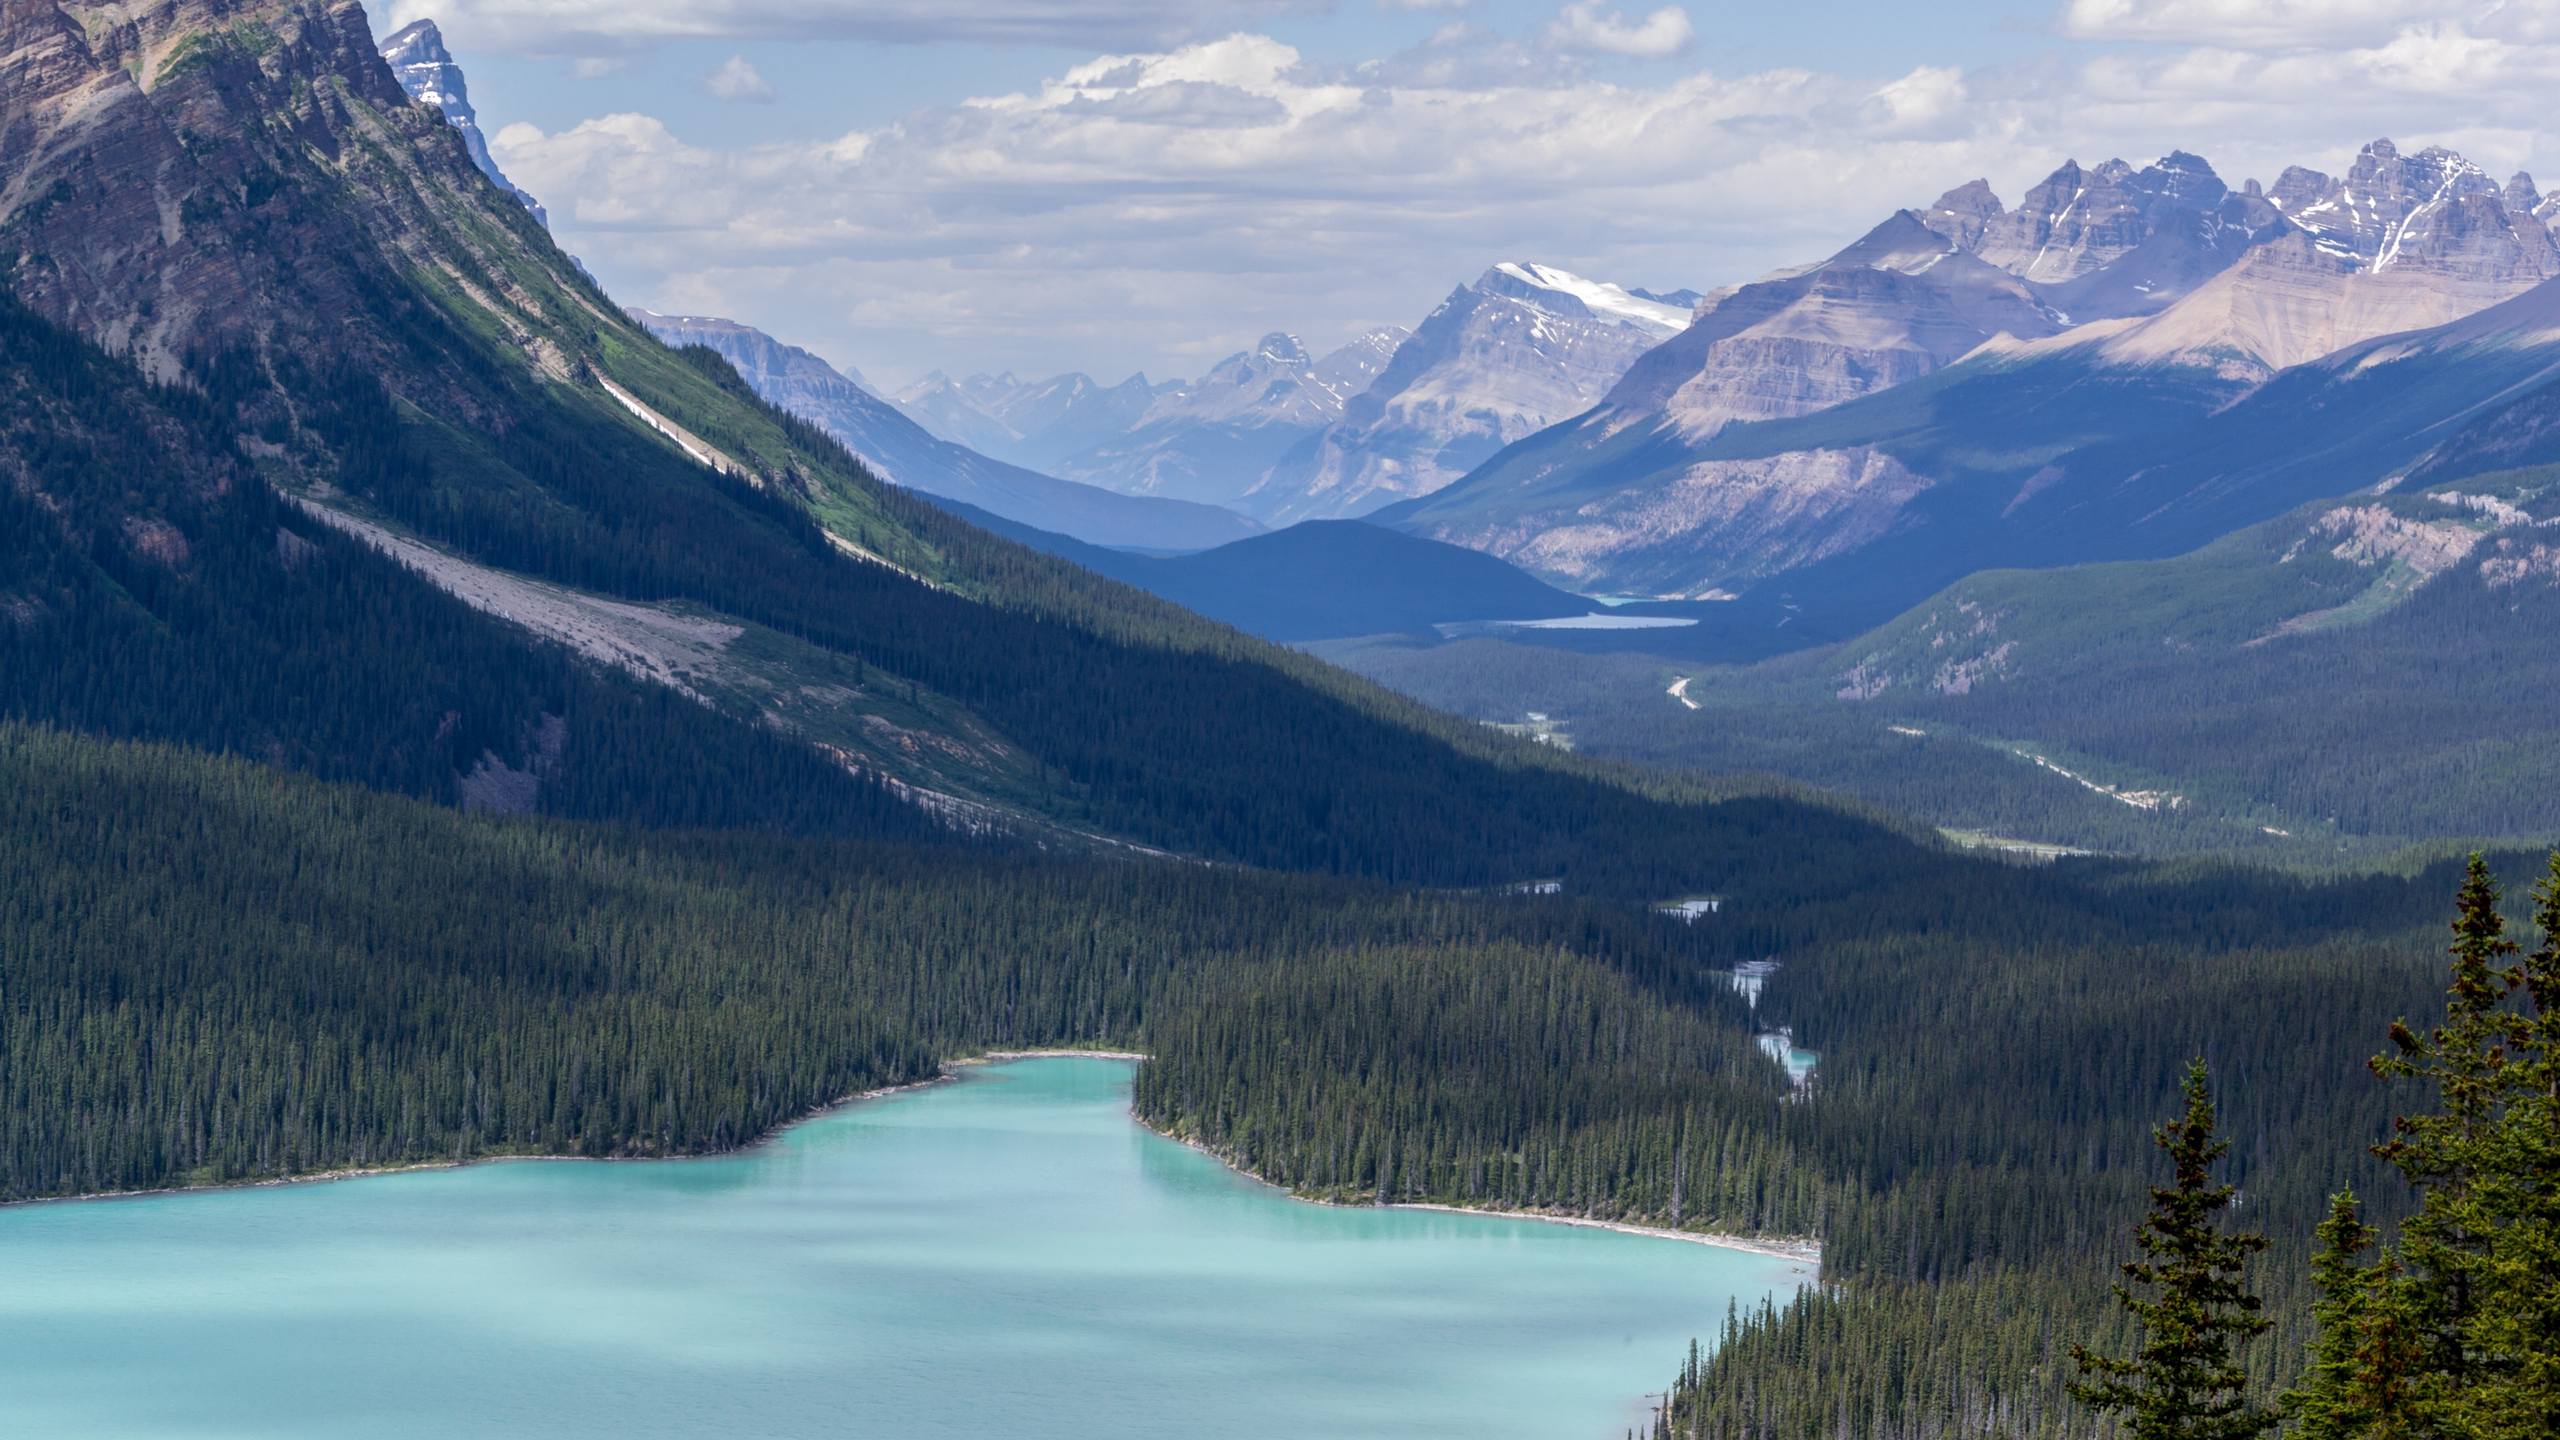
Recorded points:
1601,622
1006,1255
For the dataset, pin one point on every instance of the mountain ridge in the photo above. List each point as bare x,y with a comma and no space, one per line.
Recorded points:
902,452
1665,490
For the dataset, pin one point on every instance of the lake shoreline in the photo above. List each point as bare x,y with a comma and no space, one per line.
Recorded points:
1802,1252
368,1172
1794,1251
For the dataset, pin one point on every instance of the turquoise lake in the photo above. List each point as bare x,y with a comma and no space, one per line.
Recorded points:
1006,1255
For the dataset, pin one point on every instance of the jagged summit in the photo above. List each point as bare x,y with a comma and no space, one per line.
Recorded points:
425,69
2385,196
1962,213
1526,345
2078,221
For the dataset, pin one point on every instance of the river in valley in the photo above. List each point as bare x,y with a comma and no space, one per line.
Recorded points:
1008,1255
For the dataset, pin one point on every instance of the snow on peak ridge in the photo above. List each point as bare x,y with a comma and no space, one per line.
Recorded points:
1609,302
426,71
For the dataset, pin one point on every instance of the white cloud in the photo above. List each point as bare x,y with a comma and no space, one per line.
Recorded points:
1584,28
1928,96
737,80
1161,207
577,27
2297,24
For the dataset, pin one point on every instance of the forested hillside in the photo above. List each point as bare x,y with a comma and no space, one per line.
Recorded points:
809,786
2356,677
225,973
220,972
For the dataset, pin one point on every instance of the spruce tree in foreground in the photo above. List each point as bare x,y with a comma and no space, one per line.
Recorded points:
2188,1301
2445,1154
2365,1349
2456,1333
2511,1339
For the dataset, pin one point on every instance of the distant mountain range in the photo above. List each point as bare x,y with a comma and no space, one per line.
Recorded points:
1284,435
1523,347
1213,439
838,402
2142,369
905,453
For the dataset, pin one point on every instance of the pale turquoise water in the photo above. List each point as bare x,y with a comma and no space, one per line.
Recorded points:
1007,1256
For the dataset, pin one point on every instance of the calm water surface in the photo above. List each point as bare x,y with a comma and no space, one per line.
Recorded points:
1004,1256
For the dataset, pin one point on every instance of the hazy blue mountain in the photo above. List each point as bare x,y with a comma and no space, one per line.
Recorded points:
1214,439
903,452
1524,346
2102,438
1036,424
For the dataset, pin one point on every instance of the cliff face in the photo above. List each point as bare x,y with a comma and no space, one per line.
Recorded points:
180,177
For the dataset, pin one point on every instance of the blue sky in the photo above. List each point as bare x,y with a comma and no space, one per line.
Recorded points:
1115,185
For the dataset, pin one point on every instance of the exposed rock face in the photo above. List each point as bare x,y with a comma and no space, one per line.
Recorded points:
1964,213
2384,196
1523,347
2404,243
2162,277
426,70
140,144
1900,303
2077,221
903,452
1733,520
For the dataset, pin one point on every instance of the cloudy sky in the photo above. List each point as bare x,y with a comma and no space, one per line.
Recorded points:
1117,185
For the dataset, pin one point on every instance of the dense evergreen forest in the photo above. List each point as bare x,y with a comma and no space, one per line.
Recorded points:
219,971
247,928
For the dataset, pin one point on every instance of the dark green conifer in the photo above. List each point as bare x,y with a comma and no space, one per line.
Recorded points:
2443,1154
2188,1301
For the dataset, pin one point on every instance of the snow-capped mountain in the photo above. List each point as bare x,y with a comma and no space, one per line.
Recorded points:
903,452
1216,438
2114,309
2402,243
1525,346
426,69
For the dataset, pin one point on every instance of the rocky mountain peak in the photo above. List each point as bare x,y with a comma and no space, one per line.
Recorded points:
1961,213
2078,221
1524,346
2392,207
426,70
1905,241
148,176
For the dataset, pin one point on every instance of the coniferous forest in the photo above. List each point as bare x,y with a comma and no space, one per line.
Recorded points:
312,858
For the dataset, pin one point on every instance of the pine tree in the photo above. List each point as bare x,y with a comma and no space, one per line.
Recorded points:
2187,1299
2511,1339
2444,1154
2364,1350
